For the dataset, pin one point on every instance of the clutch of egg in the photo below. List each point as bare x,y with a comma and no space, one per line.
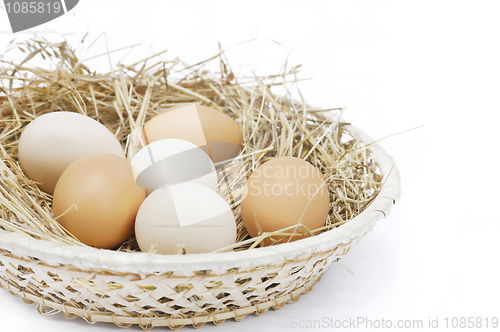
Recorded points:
97,193
168,191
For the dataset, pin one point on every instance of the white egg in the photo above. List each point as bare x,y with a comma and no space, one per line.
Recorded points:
51,142
170,161
186,217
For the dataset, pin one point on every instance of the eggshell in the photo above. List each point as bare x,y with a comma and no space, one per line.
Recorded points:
215,132
281,193
96,199
186,217
51,142
170,161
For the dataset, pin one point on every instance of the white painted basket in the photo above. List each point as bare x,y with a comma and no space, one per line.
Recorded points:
177,290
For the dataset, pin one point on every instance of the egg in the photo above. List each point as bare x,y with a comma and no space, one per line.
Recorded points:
184,218
215,132
170,161
281,193
51,142
96,199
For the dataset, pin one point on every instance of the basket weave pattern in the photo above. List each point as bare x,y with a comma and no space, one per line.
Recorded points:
163,299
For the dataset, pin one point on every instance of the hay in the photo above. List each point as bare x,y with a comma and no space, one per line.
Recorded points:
124,99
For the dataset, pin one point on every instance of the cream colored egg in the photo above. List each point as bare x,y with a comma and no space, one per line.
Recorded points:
184,218
51,142
170,161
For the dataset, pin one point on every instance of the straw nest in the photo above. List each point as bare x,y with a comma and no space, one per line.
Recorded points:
125,98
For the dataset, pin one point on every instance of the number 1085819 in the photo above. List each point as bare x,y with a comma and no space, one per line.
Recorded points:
33,7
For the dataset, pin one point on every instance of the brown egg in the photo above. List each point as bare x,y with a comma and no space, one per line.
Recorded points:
101,198
281,193
215,132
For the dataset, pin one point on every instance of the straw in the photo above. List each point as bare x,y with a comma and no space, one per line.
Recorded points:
129,95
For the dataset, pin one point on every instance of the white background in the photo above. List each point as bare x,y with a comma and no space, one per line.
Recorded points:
395,65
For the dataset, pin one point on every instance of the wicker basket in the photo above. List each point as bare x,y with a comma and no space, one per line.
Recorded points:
176,290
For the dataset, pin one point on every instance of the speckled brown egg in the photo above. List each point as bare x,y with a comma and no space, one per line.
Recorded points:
96,199
284,192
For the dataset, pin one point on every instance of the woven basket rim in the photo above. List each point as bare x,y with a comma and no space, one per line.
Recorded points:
123,262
